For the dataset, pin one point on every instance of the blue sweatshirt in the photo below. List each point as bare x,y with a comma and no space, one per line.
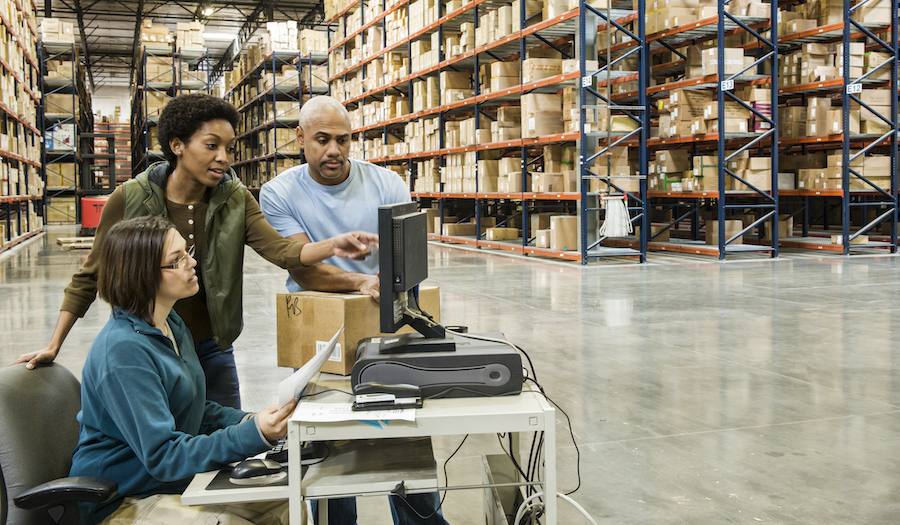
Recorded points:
145,422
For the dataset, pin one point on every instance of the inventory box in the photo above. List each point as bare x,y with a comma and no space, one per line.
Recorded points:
306,321
732,228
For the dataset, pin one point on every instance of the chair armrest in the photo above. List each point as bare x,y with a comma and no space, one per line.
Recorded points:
62,490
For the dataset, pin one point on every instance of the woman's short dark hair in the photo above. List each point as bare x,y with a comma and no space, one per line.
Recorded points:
182,117
130,256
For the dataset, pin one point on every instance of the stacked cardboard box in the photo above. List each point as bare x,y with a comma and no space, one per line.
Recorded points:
313,41
455,86
426,94
59,69
541,115
488,175
283,36
159,69
61,210
60,137
189,35
61,103
60,175
880,102
508,124
155,35
497,76
509,179
684,106
56,30
156,101
428,178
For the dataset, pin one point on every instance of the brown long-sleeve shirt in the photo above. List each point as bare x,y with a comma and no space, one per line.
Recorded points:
189,220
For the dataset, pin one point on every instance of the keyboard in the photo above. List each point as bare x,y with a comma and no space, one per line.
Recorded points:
312,452
279,452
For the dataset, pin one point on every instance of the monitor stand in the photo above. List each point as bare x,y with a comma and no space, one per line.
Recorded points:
414,343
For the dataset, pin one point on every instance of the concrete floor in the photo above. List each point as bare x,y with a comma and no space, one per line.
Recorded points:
753,391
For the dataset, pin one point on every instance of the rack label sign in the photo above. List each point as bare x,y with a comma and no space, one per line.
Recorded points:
854,88
727,85
586,80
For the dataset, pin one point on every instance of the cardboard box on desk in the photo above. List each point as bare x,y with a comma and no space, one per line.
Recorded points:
306,321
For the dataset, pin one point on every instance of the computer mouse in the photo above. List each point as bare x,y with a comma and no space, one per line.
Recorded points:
257,472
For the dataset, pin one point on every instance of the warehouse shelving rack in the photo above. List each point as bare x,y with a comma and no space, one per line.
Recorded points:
558,31
266,109
853,146
636,203
121,149
20,199
164,86
762,203
63,201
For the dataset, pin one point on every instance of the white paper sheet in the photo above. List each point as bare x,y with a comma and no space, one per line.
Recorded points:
293,385
330,412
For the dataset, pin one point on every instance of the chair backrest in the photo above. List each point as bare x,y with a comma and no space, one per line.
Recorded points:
38,432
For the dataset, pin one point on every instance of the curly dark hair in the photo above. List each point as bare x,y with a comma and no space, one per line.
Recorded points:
182,117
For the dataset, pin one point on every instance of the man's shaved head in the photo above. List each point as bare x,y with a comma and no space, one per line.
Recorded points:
316,105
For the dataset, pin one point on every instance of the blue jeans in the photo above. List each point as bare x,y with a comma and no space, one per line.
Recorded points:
221,373
343,511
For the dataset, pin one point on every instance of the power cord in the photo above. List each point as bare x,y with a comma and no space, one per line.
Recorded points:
401,493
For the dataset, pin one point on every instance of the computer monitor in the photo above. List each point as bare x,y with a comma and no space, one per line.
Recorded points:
403,262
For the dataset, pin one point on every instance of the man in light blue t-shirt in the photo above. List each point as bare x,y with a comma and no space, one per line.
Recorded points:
332,194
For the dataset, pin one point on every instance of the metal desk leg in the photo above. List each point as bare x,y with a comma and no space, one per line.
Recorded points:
323,512
295,498
550,465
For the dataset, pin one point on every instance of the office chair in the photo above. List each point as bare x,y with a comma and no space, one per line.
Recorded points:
38,432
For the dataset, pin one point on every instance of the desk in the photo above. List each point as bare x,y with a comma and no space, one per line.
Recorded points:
527,412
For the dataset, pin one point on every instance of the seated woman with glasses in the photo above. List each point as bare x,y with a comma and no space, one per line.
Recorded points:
145,420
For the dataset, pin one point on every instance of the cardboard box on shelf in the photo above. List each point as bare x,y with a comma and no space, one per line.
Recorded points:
546,182
835,124
502,234
564,233
732,125
60,137
543,123
859,239
732,228
733,61
542,238
306,321
785,227
877,166
534,69
540,221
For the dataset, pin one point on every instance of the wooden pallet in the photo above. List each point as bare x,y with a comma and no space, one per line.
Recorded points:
76,243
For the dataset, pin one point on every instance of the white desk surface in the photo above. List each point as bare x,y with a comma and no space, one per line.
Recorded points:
197,493
525,412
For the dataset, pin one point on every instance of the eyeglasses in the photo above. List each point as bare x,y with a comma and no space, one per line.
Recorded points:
177,264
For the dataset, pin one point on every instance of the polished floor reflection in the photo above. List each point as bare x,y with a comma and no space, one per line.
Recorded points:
699,392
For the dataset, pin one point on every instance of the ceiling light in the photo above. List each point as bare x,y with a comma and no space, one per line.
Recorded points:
208,11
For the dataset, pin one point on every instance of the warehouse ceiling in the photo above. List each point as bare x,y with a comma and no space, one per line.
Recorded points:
107,32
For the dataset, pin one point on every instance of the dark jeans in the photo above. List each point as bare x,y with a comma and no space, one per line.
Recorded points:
343,511
221,373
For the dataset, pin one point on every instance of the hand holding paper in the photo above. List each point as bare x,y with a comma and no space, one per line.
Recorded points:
292,387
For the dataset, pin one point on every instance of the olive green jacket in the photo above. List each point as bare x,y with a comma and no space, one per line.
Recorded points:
223,250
